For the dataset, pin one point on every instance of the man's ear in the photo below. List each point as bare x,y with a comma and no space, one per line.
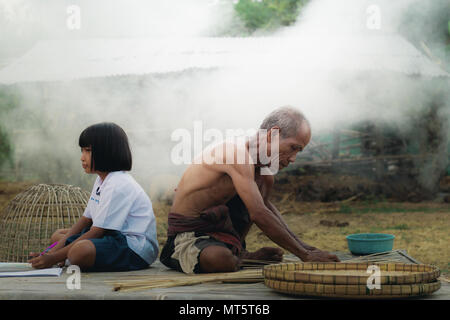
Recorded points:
273,132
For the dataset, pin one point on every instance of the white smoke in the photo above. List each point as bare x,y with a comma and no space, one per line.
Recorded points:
324,82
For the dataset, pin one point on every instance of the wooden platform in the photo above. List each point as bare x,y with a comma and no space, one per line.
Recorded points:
99,286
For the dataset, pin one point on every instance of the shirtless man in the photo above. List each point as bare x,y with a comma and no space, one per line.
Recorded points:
240,191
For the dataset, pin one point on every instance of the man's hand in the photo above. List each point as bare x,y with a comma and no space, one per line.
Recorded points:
321,256
41,262
310,248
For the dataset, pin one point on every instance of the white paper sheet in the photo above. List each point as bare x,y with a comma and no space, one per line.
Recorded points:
55,272
15,266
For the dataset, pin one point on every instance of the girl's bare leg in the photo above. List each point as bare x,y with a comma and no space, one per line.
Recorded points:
82,253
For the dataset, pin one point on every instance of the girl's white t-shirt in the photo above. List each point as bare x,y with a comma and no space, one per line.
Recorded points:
119,203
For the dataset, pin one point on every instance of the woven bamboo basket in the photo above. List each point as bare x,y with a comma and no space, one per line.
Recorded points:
349,280
352,291
29,220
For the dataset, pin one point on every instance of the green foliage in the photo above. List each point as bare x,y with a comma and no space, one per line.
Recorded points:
447,48
5,148
345,209
428,21
268,14
8,101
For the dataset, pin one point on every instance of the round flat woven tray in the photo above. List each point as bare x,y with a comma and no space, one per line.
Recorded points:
351,273
352,291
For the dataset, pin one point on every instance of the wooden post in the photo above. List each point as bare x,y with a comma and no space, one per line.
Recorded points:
379,164
336,143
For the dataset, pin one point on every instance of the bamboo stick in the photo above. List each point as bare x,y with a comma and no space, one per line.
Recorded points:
380,256
258,262
254,275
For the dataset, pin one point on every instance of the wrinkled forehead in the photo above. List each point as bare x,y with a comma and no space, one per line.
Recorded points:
305,131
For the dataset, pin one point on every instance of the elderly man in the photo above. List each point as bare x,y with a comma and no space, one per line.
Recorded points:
217,201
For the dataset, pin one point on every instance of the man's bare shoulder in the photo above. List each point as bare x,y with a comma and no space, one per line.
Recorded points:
227,156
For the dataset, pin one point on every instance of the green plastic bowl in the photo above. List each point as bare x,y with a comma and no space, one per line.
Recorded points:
368,243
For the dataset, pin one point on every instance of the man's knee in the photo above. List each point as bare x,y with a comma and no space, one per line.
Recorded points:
218,259
82,253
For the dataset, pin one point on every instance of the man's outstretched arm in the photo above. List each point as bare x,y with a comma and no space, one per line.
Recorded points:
277,214
264,218
266,191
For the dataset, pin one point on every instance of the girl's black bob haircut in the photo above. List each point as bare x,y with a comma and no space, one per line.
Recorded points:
110,148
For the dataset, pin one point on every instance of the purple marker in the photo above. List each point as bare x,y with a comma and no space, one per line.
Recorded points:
48,249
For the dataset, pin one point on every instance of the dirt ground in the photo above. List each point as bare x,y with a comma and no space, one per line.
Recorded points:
423,229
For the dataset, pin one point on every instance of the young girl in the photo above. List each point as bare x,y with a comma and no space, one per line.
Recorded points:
117,231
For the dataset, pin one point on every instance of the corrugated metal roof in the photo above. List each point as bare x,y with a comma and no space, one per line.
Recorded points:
60,60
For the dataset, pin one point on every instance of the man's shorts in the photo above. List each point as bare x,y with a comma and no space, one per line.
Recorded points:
182,252
112,253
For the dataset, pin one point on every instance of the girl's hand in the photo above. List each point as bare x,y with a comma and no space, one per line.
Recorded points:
58,246
41,262
61,264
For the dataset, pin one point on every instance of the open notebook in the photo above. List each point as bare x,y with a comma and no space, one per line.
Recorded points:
25,270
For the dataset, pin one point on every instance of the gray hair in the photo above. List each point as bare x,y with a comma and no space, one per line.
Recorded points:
287,118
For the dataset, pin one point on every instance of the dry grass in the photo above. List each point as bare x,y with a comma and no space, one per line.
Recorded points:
421,229
8,190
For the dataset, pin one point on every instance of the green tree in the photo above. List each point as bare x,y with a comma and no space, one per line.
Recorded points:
268,14
8,101
429,22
